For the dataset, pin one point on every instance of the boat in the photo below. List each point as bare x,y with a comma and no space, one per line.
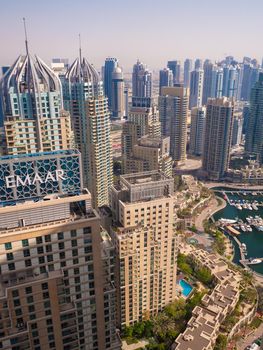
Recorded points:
238,206
254,261
243,228
249,207
249,228
254,206
227,221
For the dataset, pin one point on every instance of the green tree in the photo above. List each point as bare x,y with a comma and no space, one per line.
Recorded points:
203,274
176,309
221,342
138,330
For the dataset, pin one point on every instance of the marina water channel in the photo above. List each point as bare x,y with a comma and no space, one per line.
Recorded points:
252,239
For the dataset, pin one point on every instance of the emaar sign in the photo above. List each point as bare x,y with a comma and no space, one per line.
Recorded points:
38,175
15,180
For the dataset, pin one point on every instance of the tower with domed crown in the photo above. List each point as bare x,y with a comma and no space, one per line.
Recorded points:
85,100
31,101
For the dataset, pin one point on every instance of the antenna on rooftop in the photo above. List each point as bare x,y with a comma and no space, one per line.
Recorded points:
26,42
80,48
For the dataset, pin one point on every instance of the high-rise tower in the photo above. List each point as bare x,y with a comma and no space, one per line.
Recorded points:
118,103
111,64
218,137
188,65
175,67
85,100
173,109
165,78
146,245
31,98
141,82
254,133
196,88
198,115
57,267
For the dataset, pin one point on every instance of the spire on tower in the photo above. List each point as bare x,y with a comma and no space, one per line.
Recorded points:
80,48
26,41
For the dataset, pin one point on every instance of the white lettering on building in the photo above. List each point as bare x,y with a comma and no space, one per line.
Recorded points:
15,180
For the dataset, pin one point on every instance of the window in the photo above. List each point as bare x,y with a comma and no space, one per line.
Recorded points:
74,243
26,252
28,290
28,263
45,295
44,286
39,240
9,256
15,293
60,235
25,243
11,267
73,233
87,230
8,246
30,299
47,238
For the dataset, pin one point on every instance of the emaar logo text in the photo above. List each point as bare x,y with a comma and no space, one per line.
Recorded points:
15,180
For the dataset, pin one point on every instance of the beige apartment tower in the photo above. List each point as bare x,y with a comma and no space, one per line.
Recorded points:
56,262
141,121
173,109
150,153
146,245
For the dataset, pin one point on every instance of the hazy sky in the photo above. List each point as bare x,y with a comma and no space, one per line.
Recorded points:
152,30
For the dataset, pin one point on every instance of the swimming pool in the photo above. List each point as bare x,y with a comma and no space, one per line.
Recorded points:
186,288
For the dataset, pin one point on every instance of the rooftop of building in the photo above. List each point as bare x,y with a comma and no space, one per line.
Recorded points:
149,141
143,178
221,102
40,154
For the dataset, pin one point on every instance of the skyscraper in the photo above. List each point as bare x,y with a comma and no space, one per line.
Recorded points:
218,136
146,245
198,64
84,99
141,121
208,77
230,81
56,284
196,88
237,131
110,64
197,133
141,81
245,117
149,153
175,67
118,103
173,108
250,77
32,107
165,78
254,134
213,81
188,65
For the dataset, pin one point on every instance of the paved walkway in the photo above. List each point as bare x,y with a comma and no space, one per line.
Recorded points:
140,344
207,212
233,185
243,343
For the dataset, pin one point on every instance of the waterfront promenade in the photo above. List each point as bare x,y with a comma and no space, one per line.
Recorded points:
212,207
239,186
